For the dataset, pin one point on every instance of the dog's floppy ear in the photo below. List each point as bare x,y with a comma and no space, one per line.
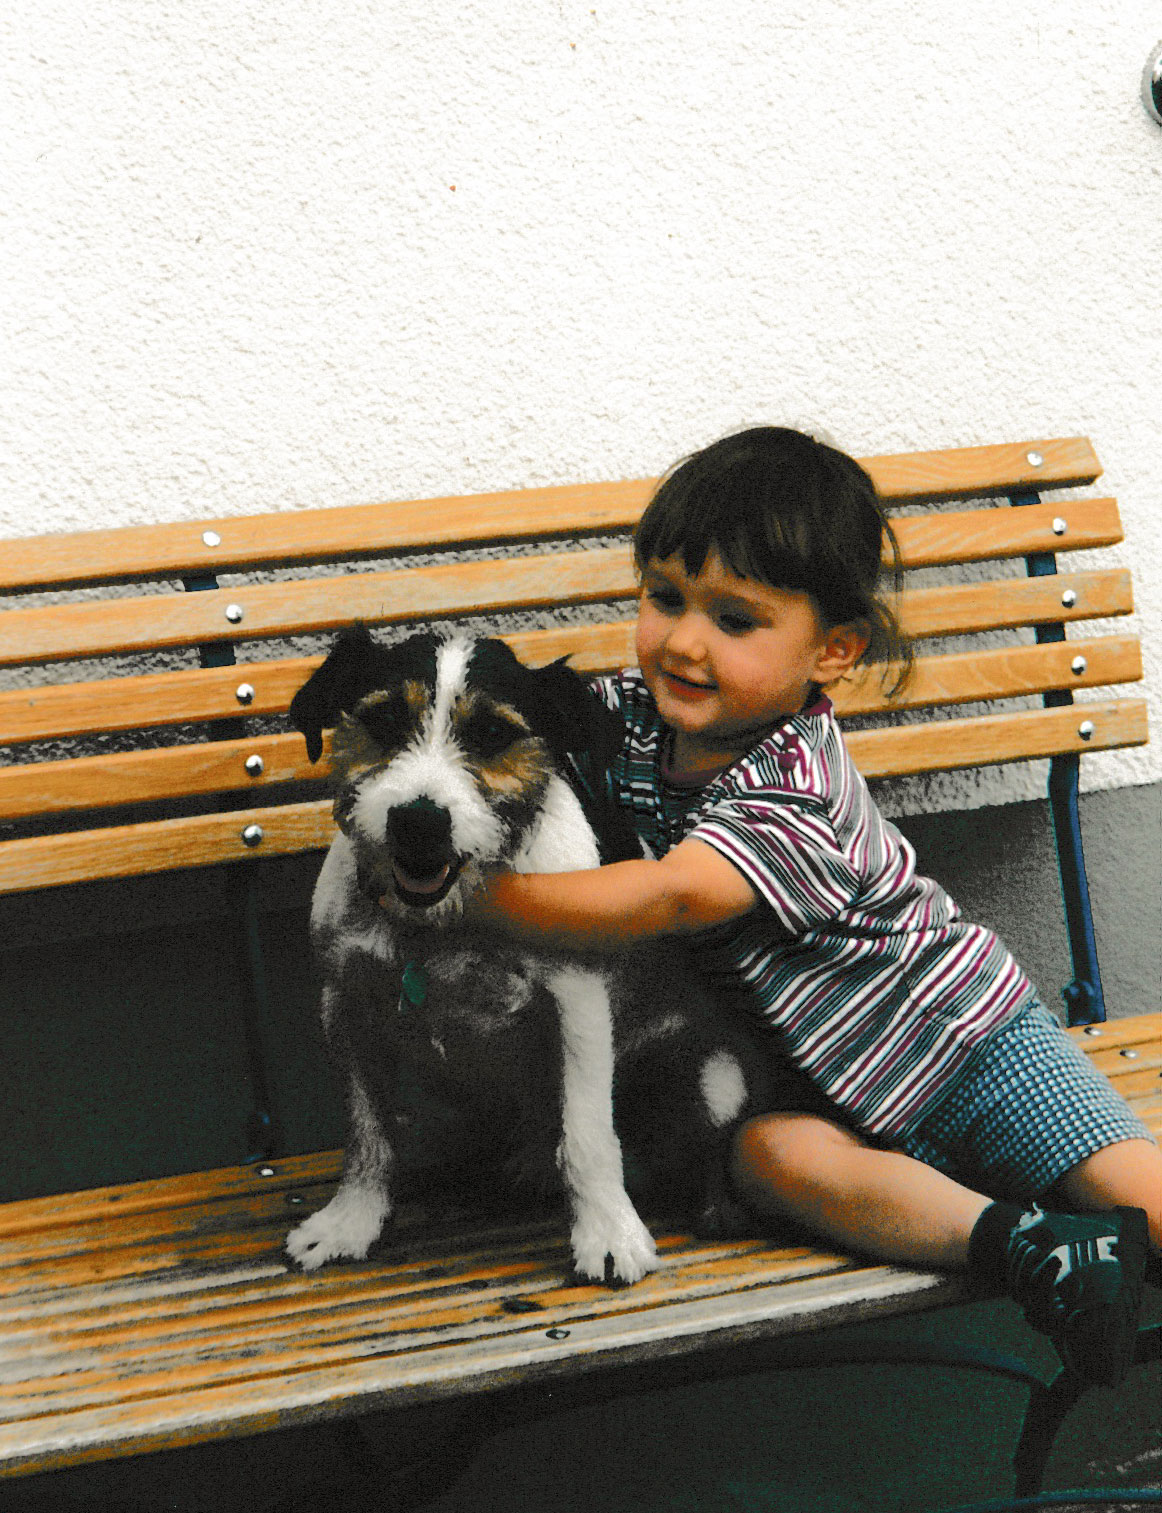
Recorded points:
350,670
575,720
586,736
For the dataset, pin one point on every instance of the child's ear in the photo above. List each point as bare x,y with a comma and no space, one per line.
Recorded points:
843,645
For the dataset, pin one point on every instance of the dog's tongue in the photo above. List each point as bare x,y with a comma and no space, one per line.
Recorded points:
412,884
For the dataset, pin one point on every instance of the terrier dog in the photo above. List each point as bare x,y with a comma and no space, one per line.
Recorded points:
451,758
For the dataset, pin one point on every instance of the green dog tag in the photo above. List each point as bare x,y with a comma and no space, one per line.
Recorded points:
414,987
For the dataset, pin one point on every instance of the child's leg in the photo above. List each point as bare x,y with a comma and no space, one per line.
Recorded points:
1129,1172
1079,1279
881,1202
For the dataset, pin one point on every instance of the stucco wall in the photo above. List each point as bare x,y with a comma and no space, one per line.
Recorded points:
277,255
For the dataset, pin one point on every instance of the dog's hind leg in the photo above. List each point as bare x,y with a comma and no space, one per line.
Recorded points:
353,1220
610,1242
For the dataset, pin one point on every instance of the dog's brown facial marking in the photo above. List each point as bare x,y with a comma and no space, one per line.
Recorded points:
503,754
379,728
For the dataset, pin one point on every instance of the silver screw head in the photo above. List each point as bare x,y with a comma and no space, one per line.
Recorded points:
1152,85
252,836
1092,1029
244,693
211,538
1069,598
1034,459
1060,526
234,613
1085,730
254,765
1129,1054
1078,665
266,1171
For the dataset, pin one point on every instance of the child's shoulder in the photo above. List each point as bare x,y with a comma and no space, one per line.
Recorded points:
800,753
624,691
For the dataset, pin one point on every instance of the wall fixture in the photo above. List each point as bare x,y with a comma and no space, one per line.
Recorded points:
1152,84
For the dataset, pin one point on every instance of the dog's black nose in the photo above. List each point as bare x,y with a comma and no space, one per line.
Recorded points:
420,829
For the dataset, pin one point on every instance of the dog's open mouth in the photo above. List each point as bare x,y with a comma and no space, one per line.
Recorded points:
423,890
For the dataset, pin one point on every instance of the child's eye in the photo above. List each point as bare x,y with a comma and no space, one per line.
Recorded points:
735,624
665,599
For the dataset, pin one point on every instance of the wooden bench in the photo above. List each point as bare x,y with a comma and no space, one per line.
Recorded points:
162,1313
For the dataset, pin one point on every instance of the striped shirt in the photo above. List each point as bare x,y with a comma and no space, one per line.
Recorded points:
865,971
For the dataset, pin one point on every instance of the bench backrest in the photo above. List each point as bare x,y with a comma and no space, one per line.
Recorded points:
179,767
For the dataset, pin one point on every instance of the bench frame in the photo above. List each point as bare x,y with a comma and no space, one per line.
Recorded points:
726,1333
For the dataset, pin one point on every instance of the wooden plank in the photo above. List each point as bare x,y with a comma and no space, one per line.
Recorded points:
161,622
997,673
997,534
597,575
981,472
157,846
201,694
161,846
80,783
355,531
154,1194
138,777
945,745
962,609
255,1398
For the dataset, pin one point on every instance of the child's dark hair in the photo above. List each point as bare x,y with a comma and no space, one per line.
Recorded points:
793,513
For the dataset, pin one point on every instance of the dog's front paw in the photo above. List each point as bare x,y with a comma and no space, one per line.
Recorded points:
347,1228
612,1246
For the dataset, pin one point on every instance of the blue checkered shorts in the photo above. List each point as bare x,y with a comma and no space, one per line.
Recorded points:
1029,1108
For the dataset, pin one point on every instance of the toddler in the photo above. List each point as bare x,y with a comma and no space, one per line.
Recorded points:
930,1102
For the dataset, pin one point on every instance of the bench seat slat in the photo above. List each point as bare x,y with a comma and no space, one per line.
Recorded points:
153,846
255,1399
82,783
291,536
166,1354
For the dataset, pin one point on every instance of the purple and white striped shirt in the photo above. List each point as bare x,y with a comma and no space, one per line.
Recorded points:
866,972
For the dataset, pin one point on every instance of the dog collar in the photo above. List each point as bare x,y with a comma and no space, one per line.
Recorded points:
413,988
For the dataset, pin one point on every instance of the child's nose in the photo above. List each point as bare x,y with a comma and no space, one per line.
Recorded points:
686,638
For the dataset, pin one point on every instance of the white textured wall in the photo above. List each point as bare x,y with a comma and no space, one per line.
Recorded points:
299,252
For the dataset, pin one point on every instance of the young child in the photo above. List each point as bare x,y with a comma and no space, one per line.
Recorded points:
929,1074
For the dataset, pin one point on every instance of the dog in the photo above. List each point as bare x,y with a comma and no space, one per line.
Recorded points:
451,758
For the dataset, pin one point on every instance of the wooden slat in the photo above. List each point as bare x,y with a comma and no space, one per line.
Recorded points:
987,535
82,783
162,845
161,622
420,594
996,673
980,472
291,536
963,609
195,695
945,745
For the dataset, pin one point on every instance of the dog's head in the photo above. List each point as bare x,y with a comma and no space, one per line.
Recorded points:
442,753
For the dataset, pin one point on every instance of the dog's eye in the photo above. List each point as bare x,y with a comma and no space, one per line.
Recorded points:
385,720
485,733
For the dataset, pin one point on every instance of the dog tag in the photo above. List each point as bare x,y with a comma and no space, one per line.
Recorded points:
414,987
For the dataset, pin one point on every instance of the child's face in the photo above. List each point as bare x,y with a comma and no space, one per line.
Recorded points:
726,657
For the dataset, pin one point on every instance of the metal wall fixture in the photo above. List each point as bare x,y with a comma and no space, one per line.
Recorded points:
1152,85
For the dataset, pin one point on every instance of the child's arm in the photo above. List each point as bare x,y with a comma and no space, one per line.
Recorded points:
690,888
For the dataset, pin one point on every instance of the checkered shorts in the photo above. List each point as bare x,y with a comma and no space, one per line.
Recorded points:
1031,1106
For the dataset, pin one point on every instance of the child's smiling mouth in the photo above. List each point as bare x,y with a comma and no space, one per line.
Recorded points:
685,687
